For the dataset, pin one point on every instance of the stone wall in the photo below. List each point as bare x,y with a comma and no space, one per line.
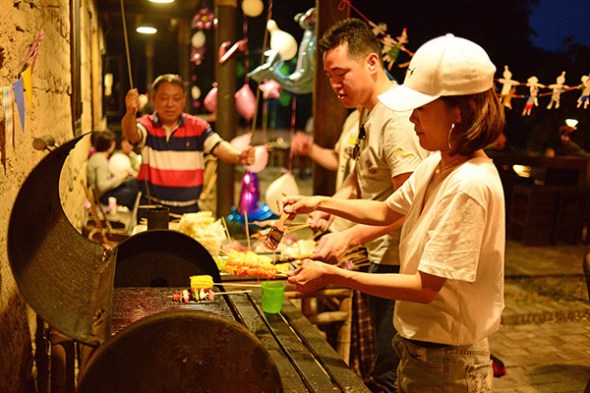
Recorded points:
50,113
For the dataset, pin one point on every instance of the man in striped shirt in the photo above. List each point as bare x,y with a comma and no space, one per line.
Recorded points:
173,145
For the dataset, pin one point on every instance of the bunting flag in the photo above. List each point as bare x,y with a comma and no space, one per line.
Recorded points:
3,144
17,88
28,86
7,106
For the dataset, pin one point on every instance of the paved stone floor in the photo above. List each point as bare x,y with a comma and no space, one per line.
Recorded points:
544,340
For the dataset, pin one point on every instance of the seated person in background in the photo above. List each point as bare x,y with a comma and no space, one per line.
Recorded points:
125,159
173,145
100,179
563,145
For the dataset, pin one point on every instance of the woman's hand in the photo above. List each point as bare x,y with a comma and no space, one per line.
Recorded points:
310,276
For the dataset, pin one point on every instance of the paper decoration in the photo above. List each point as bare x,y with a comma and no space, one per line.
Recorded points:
17,88
7,106
534,85
3,144
507,85
557,88
28,86
585,86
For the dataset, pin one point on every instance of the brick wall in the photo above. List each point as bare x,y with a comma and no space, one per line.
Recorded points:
50,113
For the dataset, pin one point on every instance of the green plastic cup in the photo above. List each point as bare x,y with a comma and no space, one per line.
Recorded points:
272,296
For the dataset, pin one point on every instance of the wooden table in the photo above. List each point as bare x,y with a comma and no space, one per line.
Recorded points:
306,362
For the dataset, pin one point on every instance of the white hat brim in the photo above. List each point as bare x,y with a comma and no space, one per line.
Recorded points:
403,98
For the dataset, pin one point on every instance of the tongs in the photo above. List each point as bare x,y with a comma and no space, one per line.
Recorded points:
274,237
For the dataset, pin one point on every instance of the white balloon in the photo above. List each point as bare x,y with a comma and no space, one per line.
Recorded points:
281,41
260,160
195,92
285,184
252,8
198,39
242,142
119,163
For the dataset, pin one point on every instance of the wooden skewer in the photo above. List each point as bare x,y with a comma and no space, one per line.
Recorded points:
233,292
226,229
224,284
247,230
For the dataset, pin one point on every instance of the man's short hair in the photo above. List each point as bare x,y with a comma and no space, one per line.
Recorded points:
169,78
354,32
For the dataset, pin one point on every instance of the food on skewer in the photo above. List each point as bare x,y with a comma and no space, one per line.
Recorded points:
249,264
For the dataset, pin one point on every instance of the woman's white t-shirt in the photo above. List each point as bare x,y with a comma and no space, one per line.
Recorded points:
458,234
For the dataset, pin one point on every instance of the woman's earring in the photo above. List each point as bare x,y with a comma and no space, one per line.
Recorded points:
449,136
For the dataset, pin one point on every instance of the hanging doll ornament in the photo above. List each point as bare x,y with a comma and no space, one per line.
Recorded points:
203,20
556,89
508,89
301,80
252,8
584,97
532,100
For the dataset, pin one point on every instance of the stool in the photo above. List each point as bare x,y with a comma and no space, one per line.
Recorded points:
532,214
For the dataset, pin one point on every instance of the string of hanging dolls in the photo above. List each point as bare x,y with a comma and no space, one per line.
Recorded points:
508,91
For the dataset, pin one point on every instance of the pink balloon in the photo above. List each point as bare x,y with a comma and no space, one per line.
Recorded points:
260,160
210,100
245,102
242,142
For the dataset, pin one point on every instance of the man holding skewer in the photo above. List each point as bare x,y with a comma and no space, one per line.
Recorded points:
386,153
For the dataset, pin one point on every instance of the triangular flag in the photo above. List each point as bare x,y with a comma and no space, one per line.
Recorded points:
28,86
3,144
7,106
17,87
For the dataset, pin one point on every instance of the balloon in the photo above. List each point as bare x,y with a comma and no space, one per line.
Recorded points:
281,41
249,194
285,184
195,92
252,8
198,39
301,80
119,163
261,159
245,102
242,142
210,100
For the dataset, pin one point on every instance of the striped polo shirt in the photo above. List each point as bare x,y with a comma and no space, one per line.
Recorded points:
172,166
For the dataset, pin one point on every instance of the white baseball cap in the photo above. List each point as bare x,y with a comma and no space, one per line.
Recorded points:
444,66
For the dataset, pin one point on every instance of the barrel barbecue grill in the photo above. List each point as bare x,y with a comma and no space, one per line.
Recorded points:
116,301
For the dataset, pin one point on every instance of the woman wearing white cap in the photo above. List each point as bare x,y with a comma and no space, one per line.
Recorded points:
450,287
